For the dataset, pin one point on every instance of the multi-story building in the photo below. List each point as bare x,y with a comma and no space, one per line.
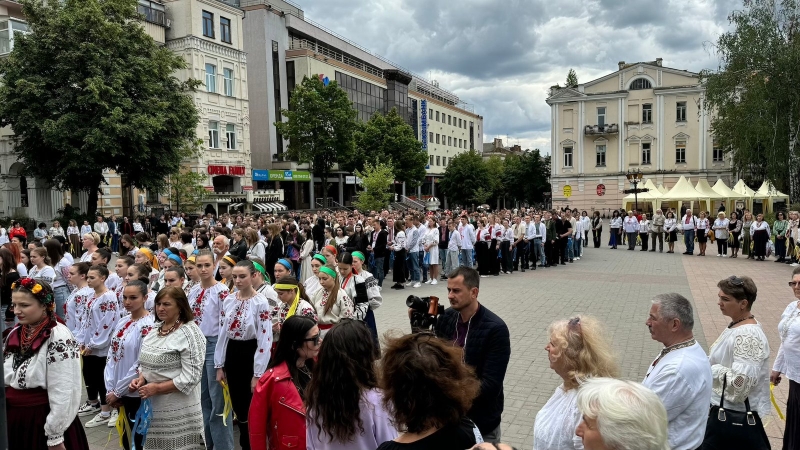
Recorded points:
643,117
283,47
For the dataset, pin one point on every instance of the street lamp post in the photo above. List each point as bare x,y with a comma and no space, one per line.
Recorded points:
635,177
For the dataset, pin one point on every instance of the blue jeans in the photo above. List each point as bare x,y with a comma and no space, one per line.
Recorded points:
688,239
218,436
61,294
114,242
570,244
576,245
423,268
412,262
466,258
379,270
537,248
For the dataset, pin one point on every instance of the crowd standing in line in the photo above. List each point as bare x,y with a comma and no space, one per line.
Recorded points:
260,311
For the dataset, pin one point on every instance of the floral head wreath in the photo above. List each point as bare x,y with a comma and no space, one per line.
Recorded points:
42,291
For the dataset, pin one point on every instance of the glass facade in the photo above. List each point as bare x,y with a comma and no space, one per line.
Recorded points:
367,98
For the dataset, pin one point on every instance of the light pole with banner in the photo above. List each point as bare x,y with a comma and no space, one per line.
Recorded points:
635,177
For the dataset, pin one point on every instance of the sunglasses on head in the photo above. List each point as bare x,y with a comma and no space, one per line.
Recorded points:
736,281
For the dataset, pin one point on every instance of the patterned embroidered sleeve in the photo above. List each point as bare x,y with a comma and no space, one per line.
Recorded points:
193,351
63,368
131,358
104,317
222,340
749,350
113,351
348,309
263,325
374,295
305,309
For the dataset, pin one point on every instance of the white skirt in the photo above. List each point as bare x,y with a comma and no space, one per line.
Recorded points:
434,256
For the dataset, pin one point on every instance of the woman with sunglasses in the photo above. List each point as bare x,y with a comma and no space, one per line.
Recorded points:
787,362
277,416
175,238
740,368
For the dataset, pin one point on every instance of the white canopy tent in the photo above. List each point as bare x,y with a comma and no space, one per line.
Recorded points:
732,196
682,191
769,195
708,195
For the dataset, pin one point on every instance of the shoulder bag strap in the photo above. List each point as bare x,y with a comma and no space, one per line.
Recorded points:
721,413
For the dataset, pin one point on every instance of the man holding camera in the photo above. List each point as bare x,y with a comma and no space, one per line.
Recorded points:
487,348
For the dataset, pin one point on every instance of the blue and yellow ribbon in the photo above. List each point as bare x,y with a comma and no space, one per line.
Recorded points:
226,394
774,402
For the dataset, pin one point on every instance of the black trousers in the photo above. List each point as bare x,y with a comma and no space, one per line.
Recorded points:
505,255
482,254
239,359
523,255
93,368
551,252
562,249
791,434
644,239
722,246
596,237
494,262
131,405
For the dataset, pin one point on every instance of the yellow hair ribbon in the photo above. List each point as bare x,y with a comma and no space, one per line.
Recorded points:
775,403
226,394
295,302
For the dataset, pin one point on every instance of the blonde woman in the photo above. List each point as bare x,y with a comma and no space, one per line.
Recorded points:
90,242
577,351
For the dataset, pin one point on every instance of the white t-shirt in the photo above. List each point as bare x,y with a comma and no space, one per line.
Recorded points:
554,426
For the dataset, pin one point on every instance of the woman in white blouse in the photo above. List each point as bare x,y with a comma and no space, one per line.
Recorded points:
702,232
671,228
577,350
739,362
74,237
123,356
90,242
399,249
41,265
787,362
430,244
760,232
41,364
245,343
721,233
644,232
330,302
615,224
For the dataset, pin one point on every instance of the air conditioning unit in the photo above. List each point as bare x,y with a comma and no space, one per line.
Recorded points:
168,24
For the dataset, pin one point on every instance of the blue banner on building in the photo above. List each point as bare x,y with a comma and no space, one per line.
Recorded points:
424,117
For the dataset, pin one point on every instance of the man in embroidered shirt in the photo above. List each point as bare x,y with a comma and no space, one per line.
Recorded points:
689,223
680,374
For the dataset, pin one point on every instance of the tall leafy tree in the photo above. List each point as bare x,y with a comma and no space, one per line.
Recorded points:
572,79
376,179
527,176
88,90
466,179
320,125
389,138
186,190
753,94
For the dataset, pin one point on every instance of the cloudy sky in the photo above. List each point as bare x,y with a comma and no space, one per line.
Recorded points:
502,55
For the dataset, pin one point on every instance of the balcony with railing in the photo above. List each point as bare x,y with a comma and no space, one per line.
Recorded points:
601,130
8,30
153,12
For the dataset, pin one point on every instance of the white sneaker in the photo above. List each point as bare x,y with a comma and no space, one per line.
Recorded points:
417,284
112,422
429,282
434,282
380,288
724,256
99,420
88,409
409,283
484,276
719,255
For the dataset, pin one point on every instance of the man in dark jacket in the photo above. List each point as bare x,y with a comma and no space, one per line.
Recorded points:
444,241
487,348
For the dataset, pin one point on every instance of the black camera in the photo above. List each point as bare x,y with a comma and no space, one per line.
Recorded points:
424,312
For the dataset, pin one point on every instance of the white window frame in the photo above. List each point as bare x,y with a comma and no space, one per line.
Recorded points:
569,154
227,81
717,149
600,150
680,111
601,123
680,151
213,134
647,113
211,78
230,135
649,159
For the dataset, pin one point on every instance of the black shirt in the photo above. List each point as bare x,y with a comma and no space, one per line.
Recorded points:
458,436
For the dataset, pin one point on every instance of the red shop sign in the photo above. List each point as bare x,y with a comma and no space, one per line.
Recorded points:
601,190
226,170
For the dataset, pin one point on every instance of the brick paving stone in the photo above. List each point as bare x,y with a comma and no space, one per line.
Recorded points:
616,287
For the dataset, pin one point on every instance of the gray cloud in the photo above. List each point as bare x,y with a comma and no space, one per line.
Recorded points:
502,56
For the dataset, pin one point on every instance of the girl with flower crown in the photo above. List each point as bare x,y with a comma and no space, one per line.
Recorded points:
41,363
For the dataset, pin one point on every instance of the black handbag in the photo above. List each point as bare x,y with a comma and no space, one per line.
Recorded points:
728,429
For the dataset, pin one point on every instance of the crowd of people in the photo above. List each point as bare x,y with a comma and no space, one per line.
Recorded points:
247,322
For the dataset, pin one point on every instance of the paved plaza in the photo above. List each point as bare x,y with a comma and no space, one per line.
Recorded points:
616,287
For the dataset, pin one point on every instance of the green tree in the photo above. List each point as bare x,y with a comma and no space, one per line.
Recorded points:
753,95
466,179
186,190
496,188
89,90
377,180
389,138
572,79
320,125
527,176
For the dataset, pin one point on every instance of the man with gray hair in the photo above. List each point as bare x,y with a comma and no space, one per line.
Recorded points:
680,374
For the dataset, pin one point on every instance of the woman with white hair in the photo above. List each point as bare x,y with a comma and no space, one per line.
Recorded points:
620,415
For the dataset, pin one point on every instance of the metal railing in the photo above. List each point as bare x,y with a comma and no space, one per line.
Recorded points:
411,203
299,43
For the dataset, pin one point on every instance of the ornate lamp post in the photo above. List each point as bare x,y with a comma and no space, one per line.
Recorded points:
635,177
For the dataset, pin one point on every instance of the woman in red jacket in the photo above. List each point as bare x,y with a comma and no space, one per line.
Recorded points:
19,232
277,414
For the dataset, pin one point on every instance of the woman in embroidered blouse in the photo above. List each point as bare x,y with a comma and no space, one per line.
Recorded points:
74,237
747,222
41,266
596,225
577,350
311,284
226,265
739,360
793,233
171,363
330,302
787,362
127,245
41,363
90,242
245,342
306,255
644,230
56,230
146,256
721,233
123,356
399,249
759,233
735,229
779,229
373,294
430,245
615,224
75,307
671,229
703,226
94,337
277,416
294,301
353,285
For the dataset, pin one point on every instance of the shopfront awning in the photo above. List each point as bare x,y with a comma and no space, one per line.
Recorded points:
234,206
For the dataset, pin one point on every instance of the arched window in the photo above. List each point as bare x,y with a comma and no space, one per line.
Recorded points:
640,83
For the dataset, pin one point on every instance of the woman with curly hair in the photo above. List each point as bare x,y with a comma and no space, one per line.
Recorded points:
428,391
352,415
577,351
